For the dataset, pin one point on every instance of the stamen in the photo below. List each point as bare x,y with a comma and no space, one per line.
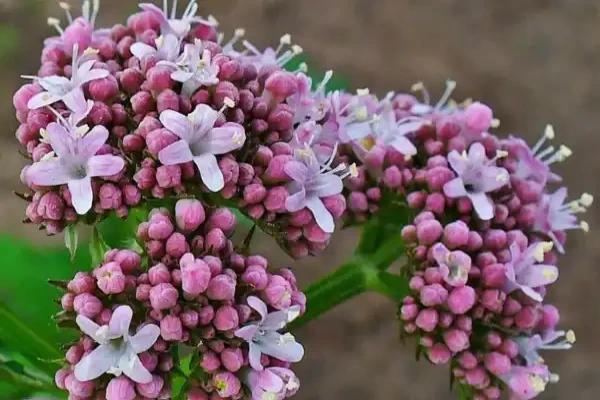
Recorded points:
570,336
547,246
586,199
361,113
174,9
95,11
48,156
450,86
544,153
187,12
67,9
548,134
286,39
584,226
420,87
362,92
303,67
165,7
495,123
239,32
85,9
55,23
292,315
501,154
554,378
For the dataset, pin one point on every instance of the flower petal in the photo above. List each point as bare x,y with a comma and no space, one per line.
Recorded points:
270,382
87,326
440,253
276,320
178,123
93,141
54,84
75,100
142,49
211,175
105,165
48,173
145,338
247,332
455,188
322,216
254,354
538,275
133,368
296,201
98,362
60,139
283,347
325,185
296,170
86,74
203,118
477,153
229,137
358,130
482,205
457,162
493,178
120,321
81,194
181,76
404,146
258,305
43,99
176,153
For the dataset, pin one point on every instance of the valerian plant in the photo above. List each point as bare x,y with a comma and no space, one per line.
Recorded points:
164,123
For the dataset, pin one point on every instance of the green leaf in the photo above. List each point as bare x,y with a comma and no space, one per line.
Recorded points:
388,284
71,240
98,247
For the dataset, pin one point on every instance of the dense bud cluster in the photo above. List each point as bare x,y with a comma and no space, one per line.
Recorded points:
195,291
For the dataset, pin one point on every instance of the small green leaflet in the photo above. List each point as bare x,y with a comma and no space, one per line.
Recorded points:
71,240
98,247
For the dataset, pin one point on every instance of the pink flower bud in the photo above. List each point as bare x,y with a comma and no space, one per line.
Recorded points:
163,296
358,202
206,315
223,219
159,274
131,80
456,234
159,78
409,312
78,388
104,89
195,276
24,94
275,172
160,227
281,118
74,354
433,295
428,232
477,377
196,393
456,340
255,193
101,114
226,384
82,283
177,245
225,90
210,362
461,300
493,300
120,388
145,178
111,279
226,318
87,305
171,329
527,318
67,301
478,117
550,316
110,196
168,176
189,214
439,354
493,276
278,293
142,103
256,276
281,85
152,389
60,378
215,240
427,319
221,287
167,100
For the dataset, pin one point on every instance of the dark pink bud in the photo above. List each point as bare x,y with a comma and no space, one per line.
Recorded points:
226,384
160,227
168,176
104,89
131,80
433,295
87,305
461,299
177,245
427,319
493,300
409,312
159,78
477,377
428,232
281,85
278,293
74,354
281,118
51,206
110,278
78,388
142,103
133,143
256,276
527,318
456,234
510,348
152,389
358,202
145,178
210,362
24,94
232,359
60,377
159,274
155,249
467,360
171,329
226,318
493,276
255,193
225,90
67,301
221,287
550,316
38,119
163,296
436,202
142,292
478,117
456,340
110,196
439,354
159,139
82,283
215,240
275,172
120,388
437,177
101,114
167,100
206,315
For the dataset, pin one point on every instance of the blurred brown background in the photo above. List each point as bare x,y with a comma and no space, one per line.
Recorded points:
533,61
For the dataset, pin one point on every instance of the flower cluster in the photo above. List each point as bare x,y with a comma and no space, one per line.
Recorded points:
196,291
483,243
185,114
